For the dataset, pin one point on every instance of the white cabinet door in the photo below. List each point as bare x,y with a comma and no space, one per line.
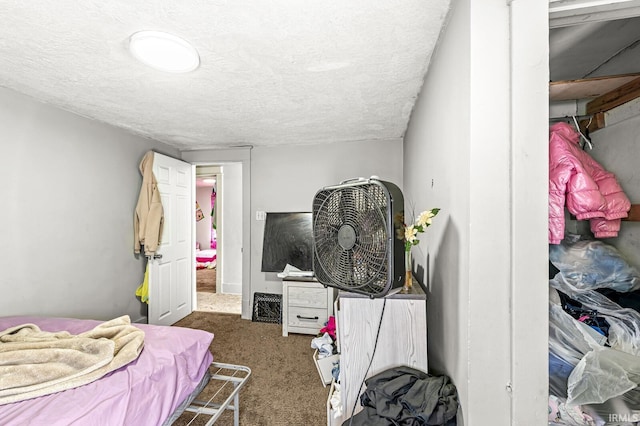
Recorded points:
170,276
401,340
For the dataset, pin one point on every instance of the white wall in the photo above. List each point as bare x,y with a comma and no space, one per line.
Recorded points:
437,174
468,151
203,227
286,178
616,148
231,223
70,186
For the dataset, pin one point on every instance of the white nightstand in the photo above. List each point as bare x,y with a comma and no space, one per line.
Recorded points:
306,306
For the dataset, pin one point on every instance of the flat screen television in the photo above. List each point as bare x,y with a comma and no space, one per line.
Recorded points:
288,238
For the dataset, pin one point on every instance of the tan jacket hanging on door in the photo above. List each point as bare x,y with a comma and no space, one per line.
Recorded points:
149,215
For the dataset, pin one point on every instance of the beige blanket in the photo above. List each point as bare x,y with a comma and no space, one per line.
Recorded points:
35,362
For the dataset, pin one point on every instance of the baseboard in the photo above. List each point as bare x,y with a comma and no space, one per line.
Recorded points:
141,320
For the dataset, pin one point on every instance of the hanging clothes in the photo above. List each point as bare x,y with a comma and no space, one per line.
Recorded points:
149,215
589,191
143,290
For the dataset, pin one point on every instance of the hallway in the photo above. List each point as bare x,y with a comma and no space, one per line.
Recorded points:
209,300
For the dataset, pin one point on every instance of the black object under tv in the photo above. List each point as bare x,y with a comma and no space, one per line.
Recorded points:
288,238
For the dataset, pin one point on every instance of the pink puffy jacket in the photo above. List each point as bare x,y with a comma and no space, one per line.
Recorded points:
590,191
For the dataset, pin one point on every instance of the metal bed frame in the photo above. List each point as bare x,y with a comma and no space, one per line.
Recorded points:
226,374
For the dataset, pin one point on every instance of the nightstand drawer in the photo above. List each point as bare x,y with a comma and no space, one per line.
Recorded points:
306,307
308,297
312,318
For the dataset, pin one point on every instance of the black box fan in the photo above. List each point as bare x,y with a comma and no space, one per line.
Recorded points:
354,230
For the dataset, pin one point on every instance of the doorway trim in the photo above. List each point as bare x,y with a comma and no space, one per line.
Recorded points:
234,155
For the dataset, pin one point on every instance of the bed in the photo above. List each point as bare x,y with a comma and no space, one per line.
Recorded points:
173,367
206,258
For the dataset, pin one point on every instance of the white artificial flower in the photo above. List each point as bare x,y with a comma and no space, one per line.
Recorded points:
410,233
425,218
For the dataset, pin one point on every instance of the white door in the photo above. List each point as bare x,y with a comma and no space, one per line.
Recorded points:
170,273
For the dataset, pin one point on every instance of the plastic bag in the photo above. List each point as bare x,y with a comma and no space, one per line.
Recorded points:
567,346
592,264
626,407
566,340
600,372
563,415
624,323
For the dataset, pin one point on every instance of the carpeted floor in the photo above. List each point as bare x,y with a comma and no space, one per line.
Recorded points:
211,301
218,302
284,387
206,280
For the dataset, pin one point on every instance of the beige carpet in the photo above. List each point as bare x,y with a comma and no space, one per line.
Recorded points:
209,300
218,302
284,388
206,280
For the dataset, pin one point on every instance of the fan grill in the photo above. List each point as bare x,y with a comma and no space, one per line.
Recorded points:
359,261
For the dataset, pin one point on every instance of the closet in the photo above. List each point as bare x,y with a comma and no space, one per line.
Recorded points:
607,111
595,86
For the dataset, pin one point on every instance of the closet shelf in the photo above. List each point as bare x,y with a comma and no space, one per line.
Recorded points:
634,213
616,97
605,93
587,88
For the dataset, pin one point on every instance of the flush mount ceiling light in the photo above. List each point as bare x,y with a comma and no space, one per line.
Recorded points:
163,51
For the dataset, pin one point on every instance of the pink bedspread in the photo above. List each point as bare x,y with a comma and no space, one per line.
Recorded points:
206,255
144,392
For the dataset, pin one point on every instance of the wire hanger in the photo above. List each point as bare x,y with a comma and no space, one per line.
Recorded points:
586,139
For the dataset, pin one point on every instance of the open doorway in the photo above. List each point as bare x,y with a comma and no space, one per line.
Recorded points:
217,286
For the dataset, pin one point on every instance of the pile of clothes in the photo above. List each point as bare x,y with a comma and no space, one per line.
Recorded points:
406,396
325,343
594,335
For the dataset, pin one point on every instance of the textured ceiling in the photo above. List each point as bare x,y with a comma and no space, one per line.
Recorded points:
273,72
